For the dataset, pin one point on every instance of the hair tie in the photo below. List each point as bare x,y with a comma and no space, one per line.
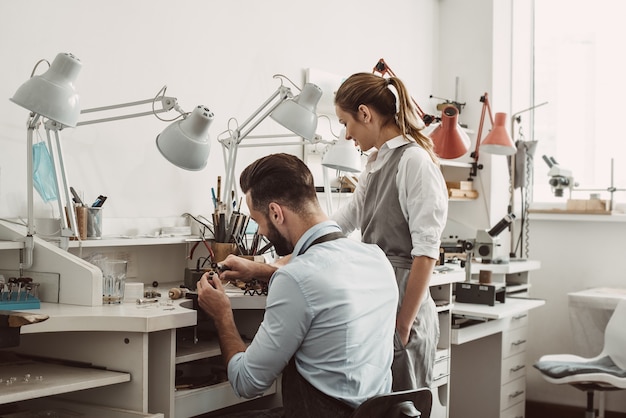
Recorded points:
394,91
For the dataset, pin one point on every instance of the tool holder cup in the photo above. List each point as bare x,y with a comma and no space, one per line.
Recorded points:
221,250
94,223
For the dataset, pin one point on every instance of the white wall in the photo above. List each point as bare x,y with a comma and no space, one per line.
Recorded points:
221,54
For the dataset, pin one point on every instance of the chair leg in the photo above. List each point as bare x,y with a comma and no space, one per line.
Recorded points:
590,412
601,404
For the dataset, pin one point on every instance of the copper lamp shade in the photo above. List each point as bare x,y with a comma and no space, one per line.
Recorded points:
498,141
449,138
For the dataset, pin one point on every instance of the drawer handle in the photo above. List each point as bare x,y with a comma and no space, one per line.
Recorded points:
518,317
517,368
518,342
516,394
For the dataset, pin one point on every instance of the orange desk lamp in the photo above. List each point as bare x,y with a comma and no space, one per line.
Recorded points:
498,141
449,138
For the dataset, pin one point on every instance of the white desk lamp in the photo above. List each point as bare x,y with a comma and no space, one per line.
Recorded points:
341,155
294,113
53,96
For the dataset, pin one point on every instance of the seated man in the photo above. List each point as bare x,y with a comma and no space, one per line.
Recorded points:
330,315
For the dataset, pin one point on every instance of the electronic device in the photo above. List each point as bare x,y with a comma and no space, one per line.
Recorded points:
483,294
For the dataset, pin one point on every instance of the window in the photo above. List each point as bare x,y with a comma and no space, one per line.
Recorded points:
580,70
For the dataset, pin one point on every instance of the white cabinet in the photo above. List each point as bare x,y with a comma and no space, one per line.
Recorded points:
489,366
441,290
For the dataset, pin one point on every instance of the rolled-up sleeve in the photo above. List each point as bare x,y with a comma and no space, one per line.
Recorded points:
424,201
286,320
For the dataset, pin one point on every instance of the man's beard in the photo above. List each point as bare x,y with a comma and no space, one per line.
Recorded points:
280,243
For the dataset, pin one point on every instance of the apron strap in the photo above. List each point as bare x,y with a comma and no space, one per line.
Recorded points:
324,238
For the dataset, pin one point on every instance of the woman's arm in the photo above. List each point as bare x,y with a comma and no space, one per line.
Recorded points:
416,287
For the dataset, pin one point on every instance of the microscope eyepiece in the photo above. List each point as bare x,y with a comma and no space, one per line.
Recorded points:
502,225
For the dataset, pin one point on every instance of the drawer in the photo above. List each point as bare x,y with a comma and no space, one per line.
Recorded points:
441,368
513,393
514,342
516,411
519,320
513,368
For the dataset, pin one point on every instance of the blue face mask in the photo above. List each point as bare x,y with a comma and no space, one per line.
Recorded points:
44,178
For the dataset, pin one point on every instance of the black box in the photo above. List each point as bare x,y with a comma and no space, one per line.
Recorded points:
484,294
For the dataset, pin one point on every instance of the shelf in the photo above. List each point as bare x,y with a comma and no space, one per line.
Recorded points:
58,408
133,241
511,267
192,402
55,379
11,245
459,164
187,352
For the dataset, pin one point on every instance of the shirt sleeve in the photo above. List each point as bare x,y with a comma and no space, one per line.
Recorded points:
424,200
284,326
348,216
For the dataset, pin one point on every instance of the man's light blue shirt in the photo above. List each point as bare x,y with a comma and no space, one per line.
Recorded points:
334,308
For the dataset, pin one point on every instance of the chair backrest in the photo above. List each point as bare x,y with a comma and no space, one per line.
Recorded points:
615,336
408,403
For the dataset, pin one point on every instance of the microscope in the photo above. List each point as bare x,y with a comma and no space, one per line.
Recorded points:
560,178
488,245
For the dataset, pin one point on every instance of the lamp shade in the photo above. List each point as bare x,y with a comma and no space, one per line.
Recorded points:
53,94
185,143
498,141
342,155
449,138
299,114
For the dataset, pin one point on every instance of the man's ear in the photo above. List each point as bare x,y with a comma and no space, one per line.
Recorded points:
276,213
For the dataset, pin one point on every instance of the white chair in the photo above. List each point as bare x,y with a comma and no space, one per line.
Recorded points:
605,372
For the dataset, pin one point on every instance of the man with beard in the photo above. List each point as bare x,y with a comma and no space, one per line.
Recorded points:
329,319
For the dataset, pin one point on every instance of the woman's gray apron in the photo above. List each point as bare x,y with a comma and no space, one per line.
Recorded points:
384,224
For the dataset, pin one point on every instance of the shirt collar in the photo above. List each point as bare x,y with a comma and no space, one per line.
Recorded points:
314,233
391,144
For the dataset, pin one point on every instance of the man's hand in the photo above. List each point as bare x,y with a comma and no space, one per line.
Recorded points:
211,296
214,301
239,268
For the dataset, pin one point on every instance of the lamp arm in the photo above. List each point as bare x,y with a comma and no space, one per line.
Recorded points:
282,92
167,103
232,142
62,175
486,109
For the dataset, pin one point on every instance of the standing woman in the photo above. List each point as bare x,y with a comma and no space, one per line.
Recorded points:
401,204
